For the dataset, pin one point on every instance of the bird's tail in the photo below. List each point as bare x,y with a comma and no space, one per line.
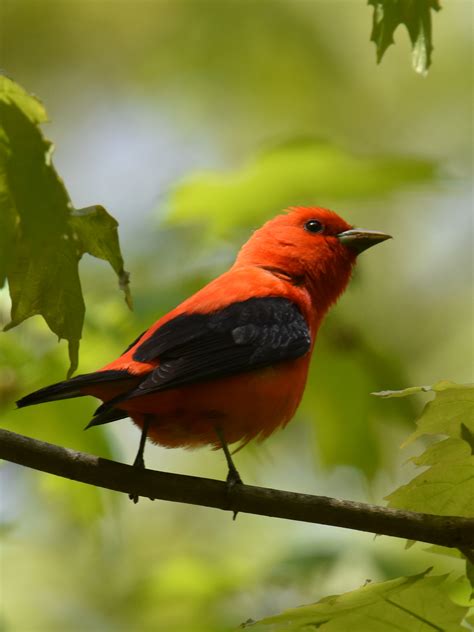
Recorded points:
75,387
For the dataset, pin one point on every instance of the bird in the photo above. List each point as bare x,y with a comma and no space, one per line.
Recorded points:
229,364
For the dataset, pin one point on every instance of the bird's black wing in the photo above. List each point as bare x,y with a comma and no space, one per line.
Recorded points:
244,336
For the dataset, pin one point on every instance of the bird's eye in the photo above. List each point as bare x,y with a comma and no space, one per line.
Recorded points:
314,226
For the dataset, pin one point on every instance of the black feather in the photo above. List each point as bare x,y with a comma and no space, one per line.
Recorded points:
191,348
71,388
245,336
109,415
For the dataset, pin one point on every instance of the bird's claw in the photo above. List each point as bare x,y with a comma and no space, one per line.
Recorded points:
139,463
134,498
233,479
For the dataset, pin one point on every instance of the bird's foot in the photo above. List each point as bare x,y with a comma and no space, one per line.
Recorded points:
139,459
233,479
139,463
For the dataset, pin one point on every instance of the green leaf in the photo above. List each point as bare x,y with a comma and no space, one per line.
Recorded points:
418,603
96,233
450,413
447,450
42,238
298,172
443,385
447,486
411,390
416,16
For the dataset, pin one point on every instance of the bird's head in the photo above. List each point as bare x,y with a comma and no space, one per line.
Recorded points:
311,245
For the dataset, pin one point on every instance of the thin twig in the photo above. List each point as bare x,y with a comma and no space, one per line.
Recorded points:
450,531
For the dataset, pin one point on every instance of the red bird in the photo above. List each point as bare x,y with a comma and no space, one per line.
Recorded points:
230,363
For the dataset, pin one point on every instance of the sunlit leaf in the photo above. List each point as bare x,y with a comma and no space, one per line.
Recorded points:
416,16
450,413
443,385
447,486
418,603
299,172
42,238
411,390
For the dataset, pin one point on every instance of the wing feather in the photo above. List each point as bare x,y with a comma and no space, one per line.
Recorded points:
244,336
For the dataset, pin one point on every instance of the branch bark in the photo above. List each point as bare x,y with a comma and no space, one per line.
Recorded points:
450,531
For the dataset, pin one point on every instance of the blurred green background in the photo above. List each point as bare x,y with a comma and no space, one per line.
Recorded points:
193,122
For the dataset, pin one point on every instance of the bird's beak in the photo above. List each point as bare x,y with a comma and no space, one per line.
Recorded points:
359,239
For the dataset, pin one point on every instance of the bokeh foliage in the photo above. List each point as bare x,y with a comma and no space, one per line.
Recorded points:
289,175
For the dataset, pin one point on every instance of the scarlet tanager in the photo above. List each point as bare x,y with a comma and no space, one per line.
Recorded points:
230,363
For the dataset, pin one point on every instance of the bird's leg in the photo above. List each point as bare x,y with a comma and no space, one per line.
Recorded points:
233,477
139,461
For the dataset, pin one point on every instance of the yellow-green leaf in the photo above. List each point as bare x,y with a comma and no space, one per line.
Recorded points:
418,603
447,486
450,413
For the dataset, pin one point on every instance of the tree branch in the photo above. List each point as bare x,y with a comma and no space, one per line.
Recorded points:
447,531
